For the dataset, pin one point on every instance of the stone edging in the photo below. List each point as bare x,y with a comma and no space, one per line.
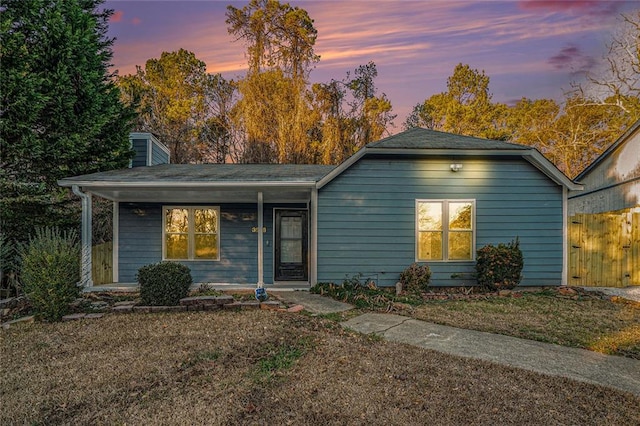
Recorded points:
196,303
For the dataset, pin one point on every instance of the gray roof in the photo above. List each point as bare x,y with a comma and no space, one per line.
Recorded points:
419,138
425,142
211,173
246,176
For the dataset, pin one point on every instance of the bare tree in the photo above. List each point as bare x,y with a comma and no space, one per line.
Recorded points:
617,81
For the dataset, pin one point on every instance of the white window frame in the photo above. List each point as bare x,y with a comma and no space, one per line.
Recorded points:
445,229
191,233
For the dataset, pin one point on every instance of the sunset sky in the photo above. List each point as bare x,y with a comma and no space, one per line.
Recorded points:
528,48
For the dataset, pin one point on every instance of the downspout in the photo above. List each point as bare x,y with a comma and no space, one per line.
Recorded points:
314,236
85,262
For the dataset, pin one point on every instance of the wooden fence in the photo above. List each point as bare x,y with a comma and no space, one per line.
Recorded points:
604,249
102,263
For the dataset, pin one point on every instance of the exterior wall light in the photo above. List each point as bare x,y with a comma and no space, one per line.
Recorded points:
139,212
455,167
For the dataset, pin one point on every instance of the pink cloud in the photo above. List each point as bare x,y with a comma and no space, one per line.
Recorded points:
136,21
117,16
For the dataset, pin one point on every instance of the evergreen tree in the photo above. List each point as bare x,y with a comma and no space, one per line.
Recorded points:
60,111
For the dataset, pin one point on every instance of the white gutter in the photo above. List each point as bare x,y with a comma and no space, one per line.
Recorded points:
341,168
545,166
85,263
185,184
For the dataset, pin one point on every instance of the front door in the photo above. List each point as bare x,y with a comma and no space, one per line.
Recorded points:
291,245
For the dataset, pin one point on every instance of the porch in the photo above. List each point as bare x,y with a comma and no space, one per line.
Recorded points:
258,229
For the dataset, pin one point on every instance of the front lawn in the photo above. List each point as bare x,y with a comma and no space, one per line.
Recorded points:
587,322
264,367
583,320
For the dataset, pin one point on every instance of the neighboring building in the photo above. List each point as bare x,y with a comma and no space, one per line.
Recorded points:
605,217
612,181
420,195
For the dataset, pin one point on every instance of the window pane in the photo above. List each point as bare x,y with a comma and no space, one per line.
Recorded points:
430,246
206,221
291,227
206,247
429,216
177,220
291,251
460,245
460,216
176,246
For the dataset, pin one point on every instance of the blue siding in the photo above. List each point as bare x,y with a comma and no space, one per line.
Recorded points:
140,148
158,156
366,217
141,244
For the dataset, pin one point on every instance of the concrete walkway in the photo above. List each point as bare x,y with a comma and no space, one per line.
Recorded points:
631,293
587,366
578,364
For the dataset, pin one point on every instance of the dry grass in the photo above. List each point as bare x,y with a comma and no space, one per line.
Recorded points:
587,322
258,367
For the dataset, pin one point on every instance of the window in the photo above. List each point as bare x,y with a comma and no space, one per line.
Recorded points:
191,233
445,229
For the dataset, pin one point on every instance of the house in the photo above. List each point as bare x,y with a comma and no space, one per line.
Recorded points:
420,195
605,217
612,181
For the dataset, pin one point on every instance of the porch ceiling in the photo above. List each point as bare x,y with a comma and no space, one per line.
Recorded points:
201,194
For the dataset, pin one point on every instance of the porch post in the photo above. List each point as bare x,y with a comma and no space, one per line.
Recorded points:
115,241
314,237
85,262
565,237
260,240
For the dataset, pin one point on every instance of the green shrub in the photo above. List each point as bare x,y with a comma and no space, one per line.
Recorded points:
50,271
164,283
415,278
500,267
363,295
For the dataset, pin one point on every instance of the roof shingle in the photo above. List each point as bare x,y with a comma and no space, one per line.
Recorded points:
211,173
419,138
